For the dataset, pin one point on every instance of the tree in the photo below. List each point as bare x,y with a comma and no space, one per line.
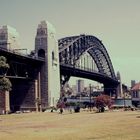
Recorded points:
3,65
5,84
102,101
61,104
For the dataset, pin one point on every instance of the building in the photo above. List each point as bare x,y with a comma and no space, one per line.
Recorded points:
80,85
9,38
74,89
135,93
133,83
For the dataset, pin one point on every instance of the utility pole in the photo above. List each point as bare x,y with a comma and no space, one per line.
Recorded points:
124,101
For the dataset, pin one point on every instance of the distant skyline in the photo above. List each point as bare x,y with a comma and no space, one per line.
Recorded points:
115,22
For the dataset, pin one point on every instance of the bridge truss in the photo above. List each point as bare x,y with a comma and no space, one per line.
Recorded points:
71,50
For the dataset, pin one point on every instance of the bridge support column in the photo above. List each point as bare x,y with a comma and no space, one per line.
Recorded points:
4,102
37,100
119,91
22,96
47,48
111,90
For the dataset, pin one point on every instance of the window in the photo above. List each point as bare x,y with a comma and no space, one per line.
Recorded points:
52,55
41,53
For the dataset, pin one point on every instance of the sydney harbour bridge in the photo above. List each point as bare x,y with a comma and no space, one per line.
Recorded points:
82,56
71,50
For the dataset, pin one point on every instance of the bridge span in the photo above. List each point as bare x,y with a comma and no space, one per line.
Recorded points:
35,76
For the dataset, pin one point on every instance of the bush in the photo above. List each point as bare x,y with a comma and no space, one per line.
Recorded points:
5,84
103,101
77,109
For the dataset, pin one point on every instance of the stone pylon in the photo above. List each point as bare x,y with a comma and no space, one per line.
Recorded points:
119,89
46,47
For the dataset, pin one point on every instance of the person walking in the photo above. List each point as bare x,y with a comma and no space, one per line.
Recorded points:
61,110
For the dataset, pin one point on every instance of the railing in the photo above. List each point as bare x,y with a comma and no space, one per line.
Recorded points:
14,51
80,68
88,70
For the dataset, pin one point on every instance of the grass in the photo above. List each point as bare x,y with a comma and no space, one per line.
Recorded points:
76,126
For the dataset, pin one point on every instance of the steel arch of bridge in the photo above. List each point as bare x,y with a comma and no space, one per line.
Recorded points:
71,48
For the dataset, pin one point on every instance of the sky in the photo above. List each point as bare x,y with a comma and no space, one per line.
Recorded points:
115,22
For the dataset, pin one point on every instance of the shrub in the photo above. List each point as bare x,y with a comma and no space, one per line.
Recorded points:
102,101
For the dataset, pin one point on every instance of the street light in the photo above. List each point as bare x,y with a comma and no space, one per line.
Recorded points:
124,101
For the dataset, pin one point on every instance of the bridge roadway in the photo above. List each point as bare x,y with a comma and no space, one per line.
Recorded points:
22,66
32,62
87,74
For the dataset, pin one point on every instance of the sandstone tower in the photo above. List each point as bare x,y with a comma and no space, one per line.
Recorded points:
46,47
120,92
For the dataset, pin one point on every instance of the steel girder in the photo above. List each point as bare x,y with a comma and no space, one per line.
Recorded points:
71,48
21,66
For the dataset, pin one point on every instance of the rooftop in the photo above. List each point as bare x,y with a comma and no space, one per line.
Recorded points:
136,87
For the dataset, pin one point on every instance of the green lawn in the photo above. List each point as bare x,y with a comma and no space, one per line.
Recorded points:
77,126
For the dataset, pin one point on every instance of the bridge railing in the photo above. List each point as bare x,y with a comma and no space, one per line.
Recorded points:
14,51
81,68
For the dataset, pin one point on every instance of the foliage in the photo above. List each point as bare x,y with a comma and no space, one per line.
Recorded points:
3,63
61,104
103,100
5,84
66,91
70,104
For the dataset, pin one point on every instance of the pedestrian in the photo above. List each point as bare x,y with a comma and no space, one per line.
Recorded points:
61,110
70,109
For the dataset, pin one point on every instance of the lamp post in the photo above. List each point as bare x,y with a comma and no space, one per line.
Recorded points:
124,100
